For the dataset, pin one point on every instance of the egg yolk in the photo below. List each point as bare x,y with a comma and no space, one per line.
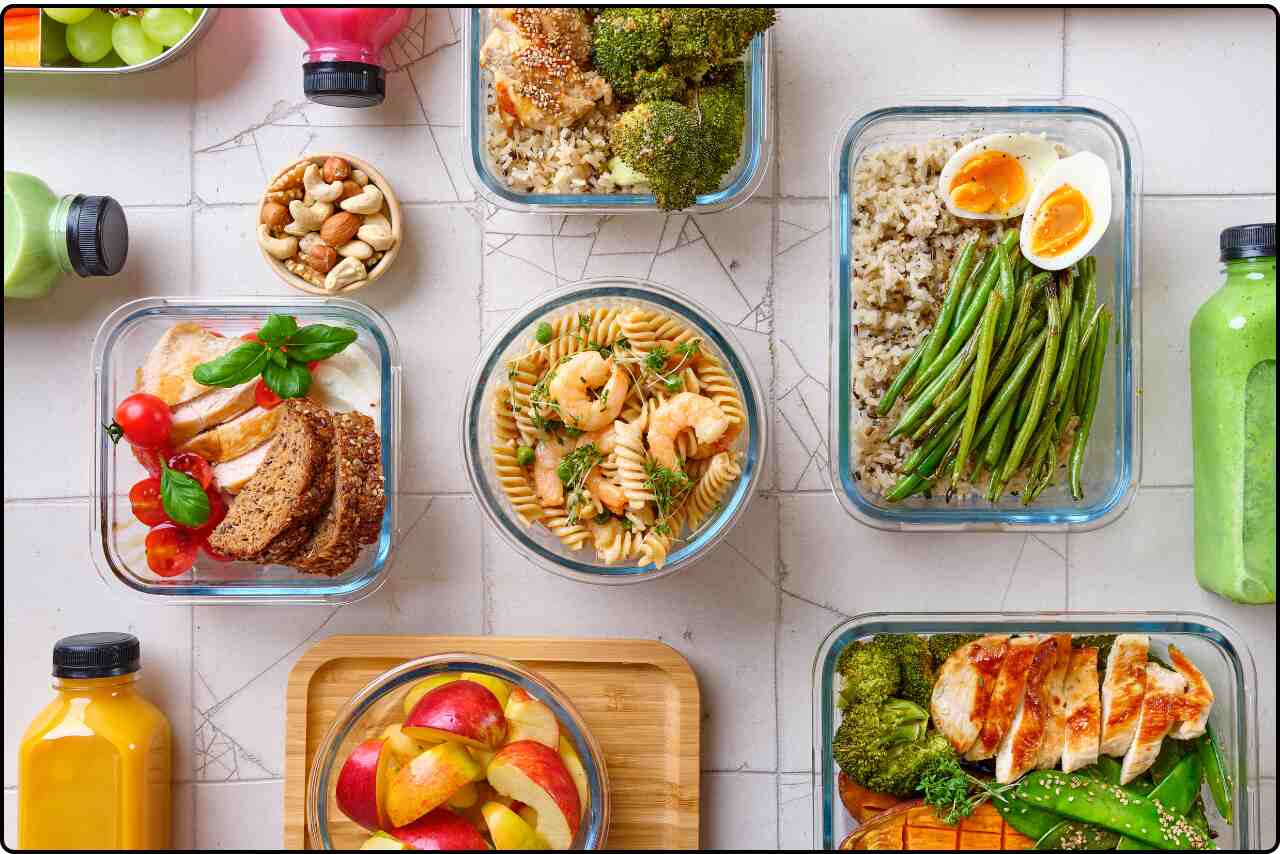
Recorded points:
1061,222
992,181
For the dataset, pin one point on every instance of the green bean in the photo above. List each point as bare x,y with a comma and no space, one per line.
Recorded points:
907,485
1011,388
1088,295
1215,772
990,266
918,455
1086,338
978,383
969,352
1048,361
1007,289
1081,440
925,400
1177,793
1021,321
979,272
955,285
895,388
999,436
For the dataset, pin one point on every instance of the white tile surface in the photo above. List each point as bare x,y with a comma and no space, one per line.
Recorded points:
200,138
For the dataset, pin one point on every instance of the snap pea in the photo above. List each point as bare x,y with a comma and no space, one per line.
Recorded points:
1030,821
955,286
1008,291
908,370
978,383
1048,361
1215,772
1081,440
1171,752
1176,793
1077,836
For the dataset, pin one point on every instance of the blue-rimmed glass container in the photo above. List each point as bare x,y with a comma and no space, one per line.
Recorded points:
535,542
1112,464
1212,645
381,703
122,343
738,186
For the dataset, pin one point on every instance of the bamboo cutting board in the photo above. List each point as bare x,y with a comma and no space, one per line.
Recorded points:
639,698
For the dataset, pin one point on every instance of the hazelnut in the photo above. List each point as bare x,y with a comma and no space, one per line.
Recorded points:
350,188
340,228
335,169
321,258
275,216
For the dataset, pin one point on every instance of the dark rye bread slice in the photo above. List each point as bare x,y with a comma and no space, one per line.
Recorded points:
334,543
292,485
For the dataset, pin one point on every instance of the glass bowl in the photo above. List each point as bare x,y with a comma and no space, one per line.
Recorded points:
743,180
1215,647
123,341
539,545
1113,461
381,703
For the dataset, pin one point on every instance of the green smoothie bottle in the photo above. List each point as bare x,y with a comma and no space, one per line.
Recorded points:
1233,421
46,236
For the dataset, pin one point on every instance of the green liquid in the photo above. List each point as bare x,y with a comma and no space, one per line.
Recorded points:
35,243
1260,475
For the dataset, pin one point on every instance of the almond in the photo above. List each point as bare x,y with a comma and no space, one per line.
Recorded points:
335,169
340,228
321,258
275,215
350,188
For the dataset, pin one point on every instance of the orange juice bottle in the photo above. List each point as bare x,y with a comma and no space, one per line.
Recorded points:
93,767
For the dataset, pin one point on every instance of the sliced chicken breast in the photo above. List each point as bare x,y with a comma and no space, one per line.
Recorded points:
236,437
1084,711
1055,728
1020,748
210,409
1122,690
1158,715
963,688
231,476
166,372
1195,705
1005,697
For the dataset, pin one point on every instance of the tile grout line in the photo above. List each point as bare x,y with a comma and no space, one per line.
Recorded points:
1063,55
486,593
770,291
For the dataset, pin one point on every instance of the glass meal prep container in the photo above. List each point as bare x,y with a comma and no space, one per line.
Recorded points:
1212,645
537,543
738,186
122,343
380,703
52,29
1113,460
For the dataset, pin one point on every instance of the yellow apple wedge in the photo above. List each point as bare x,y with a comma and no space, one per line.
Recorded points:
509,831
429,781
465,797
422,686
530,719
382,841
576,770
404,747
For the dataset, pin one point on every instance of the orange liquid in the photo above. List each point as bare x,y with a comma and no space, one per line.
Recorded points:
94,770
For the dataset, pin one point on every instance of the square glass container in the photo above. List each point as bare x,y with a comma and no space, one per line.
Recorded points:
1113,460
736,188
122,343
1212,645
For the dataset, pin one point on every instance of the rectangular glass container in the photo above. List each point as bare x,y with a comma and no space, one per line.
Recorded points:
1215,647
122,343
186,43
1113,460
736,188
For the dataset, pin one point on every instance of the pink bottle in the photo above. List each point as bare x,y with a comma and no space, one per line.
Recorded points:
344,51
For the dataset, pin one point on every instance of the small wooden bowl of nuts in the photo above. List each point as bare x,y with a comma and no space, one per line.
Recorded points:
329,224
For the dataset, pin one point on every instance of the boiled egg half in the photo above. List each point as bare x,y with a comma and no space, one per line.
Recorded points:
992,177
1067,213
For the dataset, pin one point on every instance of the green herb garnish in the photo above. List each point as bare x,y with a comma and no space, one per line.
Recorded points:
280,355
184,501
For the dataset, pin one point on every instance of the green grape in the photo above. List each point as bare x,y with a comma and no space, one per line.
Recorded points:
111,60
68,14
166,26
89,40
131,43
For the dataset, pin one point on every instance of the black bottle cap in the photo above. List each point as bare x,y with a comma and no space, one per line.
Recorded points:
344,84
97,236
95,655
1248,241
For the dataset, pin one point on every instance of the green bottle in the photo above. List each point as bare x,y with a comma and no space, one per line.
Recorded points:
46,236
1233,421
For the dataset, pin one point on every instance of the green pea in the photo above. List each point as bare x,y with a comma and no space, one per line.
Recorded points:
603,517
674,383
564,471
544,333
524,455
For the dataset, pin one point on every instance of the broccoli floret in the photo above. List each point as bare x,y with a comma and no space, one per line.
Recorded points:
626,41
941,646
870,673
915,663
714,35
667,142
885,746
720,106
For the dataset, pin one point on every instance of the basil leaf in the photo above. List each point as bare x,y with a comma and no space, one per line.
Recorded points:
231,369
293,380
183,499
318,341
277,329
279,358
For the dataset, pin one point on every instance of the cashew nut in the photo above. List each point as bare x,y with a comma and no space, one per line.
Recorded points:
368,202
317,188
348,271
308,240
357,249
307,218
279,248
359,177
376,231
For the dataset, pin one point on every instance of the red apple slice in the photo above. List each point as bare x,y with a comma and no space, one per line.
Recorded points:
422,686
509,831
441,830
573,763
462,711
364,782
536,775
500,688
428,782
530,719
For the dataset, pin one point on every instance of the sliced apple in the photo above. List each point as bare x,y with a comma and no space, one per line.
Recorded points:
441,830
577,771
509,831
382,841
500,687
462,711
428,782
527,813
422,686
402,745
364,783
530,719
465,797
535,774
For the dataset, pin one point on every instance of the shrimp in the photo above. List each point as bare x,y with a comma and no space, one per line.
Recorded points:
609,493
603,439
683,412
546,481
572,383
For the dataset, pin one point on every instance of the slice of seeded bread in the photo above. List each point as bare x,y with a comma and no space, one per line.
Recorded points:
293,484
334,543
373,501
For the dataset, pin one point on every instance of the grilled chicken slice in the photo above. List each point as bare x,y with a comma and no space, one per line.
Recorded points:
1084,710
1055,728
232,475
1005,697
1158,715
210,409
166,372
960,695
1122,690
1020,748
1195,705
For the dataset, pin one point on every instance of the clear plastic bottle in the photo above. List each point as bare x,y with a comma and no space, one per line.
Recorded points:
1233,421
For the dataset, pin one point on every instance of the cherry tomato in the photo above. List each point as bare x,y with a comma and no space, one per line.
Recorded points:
252,336
150,458
144,419
147,506
264,396
170,550
194,465
311,366
217,512
213,554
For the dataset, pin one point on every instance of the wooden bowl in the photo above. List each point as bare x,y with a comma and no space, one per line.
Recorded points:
390,202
